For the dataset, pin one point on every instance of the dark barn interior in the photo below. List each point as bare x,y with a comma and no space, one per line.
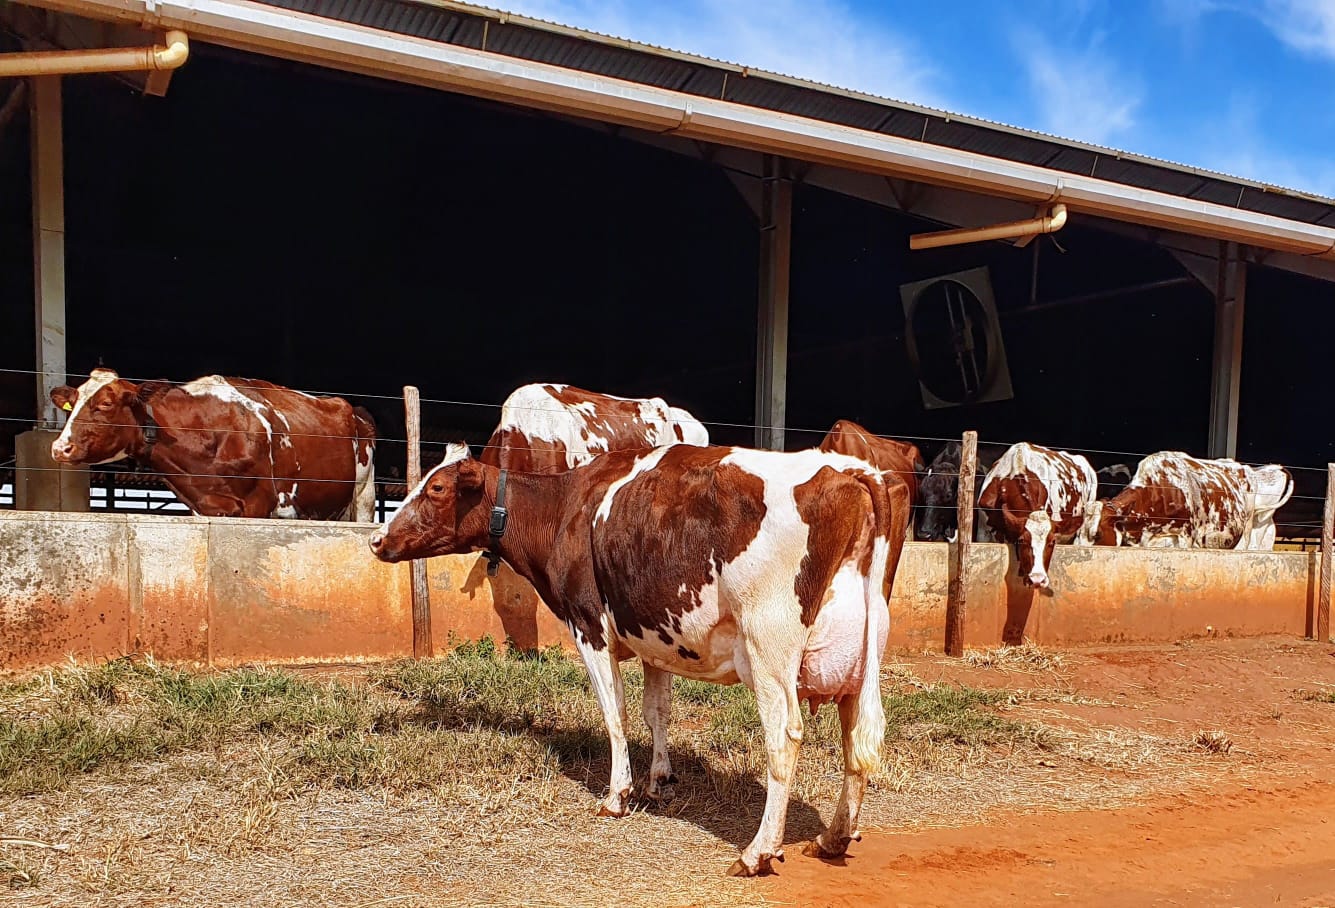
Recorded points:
342,234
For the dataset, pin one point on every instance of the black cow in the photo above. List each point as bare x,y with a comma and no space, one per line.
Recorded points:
938,491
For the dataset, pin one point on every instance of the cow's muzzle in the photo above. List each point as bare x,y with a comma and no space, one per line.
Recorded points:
377,544
1037,579
63,452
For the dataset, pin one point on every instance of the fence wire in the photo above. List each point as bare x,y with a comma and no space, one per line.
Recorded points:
385,483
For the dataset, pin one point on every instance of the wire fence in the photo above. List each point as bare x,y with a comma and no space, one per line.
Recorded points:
146,490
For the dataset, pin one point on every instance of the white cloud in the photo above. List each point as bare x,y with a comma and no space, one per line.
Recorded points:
1078,93
1305,25
821,40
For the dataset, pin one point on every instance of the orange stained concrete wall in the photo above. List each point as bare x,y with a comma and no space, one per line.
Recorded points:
224,592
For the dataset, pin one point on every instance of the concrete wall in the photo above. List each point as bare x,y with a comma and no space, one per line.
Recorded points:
195,589
229,591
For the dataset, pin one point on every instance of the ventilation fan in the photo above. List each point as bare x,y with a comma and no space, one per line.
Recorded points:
954,340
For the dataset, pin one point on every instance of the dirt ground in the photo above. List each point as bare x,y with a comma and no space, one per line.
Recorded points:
1257,829
1196,774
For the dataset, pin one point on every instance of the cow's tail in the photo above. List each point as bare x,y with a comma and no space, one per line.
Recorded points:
363,490
1288,491
889,499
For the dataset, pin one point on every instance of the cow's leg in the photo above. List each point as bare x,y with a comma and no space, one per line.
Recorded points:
843,827
781,718
657,710
362,509
605,674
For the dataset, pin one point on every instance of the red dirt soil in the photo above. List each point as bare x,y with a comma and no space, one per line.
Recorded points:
1260,831
1247,847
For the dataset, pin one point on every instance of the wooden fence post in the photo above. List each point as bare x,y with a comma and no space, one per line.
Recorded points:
958,591
422,647
1321,625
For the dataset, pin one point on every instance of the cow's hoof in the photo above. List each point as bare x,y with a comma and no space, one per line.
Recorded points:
763,865
820,847
662,790
605,811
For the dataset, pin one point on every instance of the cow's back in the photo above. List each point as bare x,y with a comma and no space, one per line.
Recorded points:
1208,501
319,444
1032,478
899,458
552,428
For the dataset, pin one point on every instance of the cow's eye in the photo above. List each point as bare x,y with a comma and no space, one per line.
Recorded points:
437,488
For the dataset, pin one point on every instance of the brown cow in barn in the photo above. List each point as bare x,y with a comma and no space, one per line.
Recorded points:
718,564
228,447
1033,498
1180,501
551,428
899,457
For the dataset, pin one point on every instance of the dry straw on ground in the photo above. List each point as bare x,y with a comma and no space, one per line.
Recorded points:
1027,656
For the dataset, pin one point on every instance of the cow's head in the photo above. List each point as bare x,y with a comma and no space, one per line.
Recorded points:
103,422
1015,508
442,516
938,496
1104,524
1035,547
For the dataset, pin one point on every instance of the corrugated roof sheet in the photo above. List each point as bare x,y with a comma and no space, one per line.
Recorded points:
496,31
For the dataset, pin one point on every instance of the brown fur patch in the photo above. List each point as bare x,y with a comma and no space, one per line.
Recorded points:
835,509
669,533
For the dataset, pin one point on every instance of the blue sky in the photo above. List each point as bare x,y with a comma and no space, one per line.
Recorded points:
1241,86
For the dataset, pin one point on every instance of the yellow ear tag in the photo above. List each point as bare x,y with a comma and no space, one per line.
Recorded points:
67,407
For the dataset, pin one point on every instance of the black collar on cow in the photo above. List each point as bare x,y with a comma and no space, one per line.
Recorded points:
150,428
496,527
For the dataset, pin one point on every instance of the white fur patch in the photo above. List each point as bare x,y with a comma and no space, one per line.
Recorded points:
583,431
454,452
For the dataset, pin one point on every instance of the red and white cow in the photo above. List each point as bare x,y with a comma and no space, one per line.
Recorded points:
901,458
1179,501
228,447
1034,498
718,564
551,428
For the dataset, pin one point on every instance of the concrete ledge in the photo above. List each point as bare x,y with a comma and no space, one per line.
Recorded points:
227,591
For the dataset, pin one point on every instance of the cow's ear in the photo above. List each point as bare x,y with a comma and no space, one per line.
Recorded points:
64,397
470,475
146,390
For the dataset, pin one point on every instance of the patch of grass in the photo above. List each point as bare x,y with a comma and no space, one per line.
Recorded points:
475,716
953,714
41,755
123,712
474,686
1318,696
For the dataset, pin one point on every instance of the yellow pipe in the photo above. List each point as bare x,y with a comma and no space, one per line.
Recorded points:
1051,222
108,60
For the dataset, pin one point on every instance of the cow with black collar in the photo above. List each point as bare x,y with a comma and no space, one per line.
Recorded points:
718,564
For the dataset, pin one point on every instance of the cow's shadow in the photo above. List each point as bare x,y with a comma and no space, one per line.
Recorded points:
1020,598
513,599
728,804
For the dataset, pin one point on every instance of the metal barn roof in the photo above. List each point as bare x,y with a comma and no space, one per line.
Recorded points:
495,31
